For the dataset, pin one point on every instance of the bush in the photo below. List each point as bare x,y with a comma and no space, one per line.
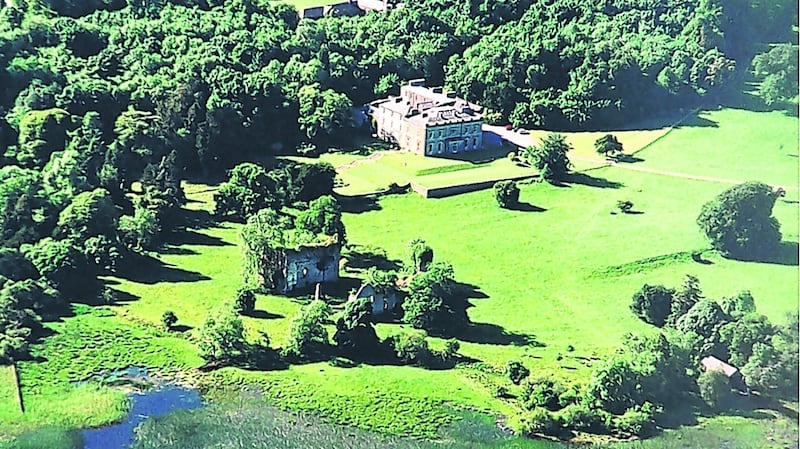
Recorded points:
541,392
582,418
502,392
637,421
245,301
506,193
168,319
412,348
714,388
516,371
540,421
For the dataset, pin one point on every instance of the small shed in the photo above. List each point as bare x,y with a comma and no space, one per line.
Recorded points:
734,375
382,301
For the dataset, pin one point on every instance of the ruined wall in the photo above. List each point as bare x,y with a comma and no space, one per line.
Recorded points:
380,303
305,267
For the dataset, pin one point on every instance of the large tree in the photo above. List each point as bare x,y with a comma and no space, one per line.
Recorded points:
549,157
739,221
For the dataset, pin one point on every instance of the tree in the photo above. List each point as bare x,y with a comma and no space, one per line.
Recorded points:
624,206
549,157
705,319
432,302
777,69
516,371
355,335
221,336
714,388
248,190
89,214
41,132
307,333
420,254
608,145
741,335
245,301
139,231
168,319
323,216
652,303
739,305
322,112
739,222
685,298
506,193
61,263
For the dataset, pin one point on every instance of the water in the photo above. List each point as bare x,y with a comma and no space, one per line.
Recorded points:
147,404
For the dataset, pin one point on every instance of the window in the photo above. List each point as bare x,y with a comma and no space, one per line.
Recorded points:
385,304
474,142
305,272
441,147
430,148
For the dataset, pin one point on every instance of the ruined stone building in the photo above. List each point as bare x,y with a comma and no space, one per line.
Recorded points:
306,266
428,121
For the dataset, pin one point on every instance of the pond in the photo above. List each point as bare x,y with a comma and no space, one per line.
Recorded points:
161,399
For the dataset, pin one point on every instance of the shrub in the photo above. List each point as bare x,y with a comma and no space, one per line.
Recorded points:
582,418
502,392
168,319
516,371
245,301
541,392
637,421
506,193
714,388
411,347
540,421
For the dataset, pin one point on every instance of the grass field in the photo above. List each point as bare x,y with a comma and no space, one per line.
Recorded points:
549,279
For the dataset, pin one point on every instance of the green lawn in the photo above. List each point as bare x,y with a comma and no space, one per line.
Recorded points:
550,279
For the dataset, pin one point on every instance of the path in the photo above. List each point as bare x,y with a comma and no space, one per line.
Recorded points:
371,158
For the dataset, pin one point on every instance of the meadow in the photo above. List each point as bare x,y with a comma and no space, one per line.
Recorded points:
552,283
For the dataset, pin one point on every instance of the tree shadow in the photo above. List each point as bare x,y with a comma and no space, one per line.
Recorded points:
790,201
148,270
469,291
492,334
362,257
697,256
177,251
787,253
187,237
198,219
358,204
263,315
627,158
696,121
526,207
181,328
587,180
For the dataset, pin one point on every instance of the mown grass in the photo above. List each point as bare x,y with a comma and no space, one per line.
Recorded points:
731,144
548,280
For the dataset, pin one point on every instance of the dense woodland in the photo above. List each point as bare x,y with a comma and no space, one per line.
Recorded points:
106,105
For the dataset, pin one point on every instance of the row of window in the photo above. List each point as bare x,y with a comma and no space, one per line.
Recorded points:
467,129
453,146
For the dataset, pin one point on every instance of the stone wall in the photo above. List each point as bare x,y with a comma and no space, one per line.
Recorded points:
307,266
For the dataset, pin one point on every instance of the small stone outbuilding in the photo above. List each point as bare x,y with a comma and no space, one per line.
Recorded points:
382,301
734,375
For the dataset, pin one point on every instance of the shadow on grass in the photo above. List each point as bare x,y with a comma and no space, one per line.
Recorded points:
627,159
148,270
358,204
788,253
187,237
177,250
361,257
181,328
588,180
263,315
469,291
697,121
526,207
492,334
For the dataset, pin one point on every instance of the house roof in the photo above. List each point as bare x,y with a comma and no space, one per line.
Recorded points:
713,363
